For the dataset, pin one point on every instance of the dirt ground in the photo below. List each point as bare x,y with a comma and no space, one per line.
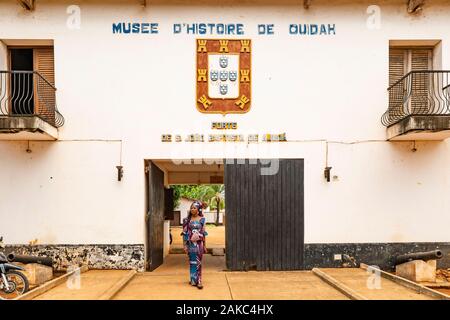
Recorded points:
215,238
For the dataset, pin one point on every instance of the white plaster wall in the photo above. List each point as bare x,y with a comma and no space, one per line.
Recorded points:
166,248
210,216
133,88
66,192
3,56
184,207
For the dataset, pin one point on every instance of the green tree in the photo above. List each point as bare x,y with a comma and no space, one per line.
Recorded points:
187,191
218,200
213,195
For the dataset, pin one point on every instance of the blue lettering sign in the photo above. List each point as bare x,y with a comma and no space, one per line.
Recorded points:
312,29
209,28
265,29
154,28
240,28
117,28
135,27
332,28
125,29
293,29
145,28
202,28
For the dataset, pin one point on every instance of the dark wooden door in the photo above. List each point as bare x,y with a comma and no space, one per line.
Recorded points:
265,215
155,217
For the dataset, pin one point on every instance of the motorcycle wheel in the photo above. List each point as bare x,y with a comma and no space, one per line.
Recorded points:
18,285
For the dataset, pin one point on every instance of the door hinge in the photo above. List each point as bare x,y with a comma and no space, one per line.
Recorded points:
147,169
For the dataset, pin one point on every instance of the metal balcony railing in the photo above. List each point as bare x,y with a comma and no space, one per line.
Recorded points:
28,93
418,93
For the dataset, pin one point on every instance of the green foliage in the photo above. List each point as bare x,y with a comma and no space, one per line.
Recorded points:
211,194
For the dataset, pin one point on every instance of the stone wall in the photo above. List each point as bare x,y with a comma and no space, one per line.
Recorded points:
122,256
379,254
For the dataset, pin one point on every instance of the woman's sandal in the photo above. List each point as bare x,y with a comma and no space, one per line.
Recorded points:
200,286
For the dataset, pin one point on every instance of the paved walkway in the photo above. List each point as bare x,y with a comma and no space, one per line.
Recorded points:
356,279
91,285
170,281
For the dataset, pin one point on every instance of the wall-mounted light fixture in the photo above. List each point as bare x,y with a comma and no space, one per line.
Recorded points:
327,173
119,172
28,147
414,149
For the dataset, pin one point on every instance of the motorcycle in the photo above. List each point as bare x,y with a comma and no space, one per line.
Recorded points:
13,283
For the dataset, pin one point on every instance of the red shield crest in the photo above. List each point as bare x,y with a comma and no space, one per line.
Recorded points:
223,75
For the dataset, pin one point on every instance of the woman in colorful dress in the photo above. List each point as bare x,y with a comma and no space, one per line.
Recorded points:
194,234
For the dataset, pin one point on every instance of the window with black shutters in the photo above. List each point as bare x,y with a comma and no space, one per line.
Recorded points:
29,91
401,62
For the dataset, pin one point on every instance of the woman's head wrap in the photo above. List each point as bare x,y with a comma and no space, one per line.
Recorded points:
199,206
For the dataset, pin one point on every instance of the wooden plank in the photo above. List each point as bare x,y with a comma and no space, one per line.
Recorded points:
265,216
242,216
352,294
282,197
407,283
254,213
293,211
301,215
270,220
288,213
233,216
298,219
229,204
261,204
50,284
296,248
111,292
245,236
155,222
279,192
237,220
265,211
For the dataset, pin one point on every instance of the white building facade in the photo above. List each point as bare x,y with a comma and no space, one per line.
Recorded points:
127,76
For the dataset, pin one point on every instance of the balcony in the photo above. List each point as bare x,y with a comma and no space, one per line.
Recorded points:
28,107
419,107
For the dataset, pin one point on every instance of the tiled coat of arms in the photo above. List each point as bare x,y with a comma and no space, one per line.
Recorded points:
223,75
